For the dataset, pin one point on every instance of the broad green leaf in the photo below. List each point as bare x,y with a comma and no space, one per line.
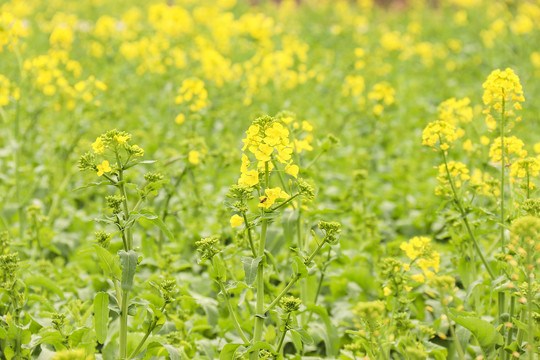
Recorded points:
486,334
250,268
228,351
101,316
129,262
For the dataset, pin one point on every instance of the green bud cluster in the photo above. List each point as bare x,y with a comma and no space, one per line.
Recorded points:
58,321
305,189
290,304
102,238
153,177
87,162
114,202
531,207
167,289
331,231
9,264
208,247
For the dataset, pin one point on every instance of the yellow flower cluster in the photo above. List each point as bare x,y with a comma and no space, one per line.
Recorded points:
455,111
11,29
62,37
354,86
458,173
512,145
502,89
55,74
420,251
7,91
267,139
442,133
484,184
193,93
525,168
382,94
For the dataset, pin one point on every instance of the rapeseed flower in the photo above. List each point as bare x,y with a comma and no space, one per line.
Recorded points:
104,167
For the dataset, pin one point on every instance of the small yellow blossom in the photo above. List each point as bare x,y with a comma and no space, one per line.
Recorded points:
98,146
180,118
193,157
236,220
249,178
104,167
270,197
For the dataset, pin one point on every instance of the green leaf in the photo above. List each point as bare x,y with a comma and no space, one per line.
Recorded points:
219,269
299,267
43,282
228,351
129,262
101,316
151,216
250,268
174,354
486,334
107,262
330,335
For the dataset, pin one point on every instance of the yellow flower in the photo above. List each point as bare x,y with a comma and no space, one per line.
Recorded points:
137,150
249,178
236,220
104,167
387,291
122,139
502,88
440,131
292,170
455,111
270,197
512,145
180,118
193,157
98,146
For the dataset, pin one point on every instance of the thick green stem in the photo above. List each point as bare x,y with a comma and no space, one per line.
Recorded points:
123,324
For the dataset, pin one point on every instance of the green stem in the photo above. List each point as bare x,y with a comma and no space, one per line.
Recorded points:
145,337
233,314
250,238
511,331
293,280
282,337
530,320
260,313
123,324
501,296
464,217
502,172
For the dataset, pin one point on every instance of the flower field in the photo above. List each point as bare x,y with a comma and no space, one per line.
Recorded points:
234,179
